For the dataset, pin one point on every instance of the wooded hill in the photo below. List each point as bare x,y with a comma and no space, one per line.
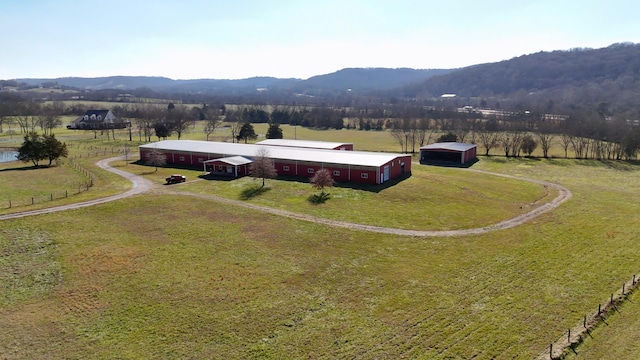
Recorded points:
347,80
576,77
606,79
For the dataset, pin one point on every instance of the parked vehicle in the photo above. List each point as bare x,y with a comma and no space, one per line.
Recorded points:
176,178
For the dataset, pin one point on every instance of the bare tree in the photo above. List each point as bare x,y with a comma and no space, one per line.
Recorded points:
212,121
235,130
545,140
156,158
488,139
262,167
49,117
179,119
322,179
565,142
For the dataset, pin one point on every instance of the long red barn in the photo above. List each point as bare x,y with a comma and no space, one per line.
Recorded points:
356,166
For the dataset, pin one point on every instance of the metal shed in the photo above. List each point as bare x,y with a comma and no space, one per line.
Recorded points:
452,152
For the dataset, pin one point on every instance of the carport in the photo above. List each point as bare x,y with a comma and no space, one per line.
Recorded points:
231,166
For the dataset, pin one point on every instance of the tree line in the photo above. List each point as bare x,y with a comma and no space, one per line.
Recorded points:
580,132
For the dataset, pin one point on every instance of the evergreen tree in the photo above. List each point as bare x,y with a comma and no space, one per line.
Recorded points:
246,132
274,131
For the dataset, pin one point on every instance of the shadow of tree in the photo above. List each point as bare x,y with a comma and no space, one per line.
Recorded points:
317,199
253,191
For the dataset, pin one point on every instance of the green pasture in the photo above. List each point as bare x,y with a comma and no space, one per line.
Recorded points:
170,276
432,198
617,339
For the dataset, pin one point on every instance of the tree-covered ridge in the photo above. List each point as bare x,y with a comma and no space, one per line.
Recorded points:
615,68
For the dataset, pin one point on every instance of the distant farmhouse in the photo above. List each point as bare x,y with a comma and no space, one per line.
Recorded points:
98,120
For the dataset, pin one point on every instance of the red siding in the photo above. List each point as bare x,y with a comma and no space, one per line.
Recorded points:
346,172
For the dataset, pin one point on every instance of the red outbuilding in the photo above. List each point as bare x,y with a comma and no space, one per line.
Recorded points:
452,152
356,166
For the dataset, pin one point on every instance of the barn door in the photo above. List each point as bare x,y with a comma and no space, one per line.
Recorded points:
386,173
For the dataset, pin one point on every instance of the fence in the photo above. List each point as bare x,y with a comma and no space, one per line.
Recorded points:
576,335
91,151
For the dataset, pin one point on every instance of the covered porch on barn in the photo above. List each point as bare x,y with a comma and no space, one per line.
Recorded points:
234,166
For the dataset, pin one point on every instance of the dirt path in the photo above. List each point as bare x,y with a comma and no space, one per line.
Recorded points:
142,185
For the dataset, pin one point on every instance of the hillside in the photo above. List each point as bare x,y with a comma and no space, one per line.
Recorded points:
608,74
355,79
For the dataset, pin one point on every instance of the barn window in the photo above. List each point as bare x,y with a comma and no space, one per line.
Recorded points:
336,172
181,158
364,175
310,170
220,168
285,168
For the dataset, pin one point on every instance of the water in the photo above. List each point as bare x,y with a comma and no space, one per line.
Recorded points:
6,156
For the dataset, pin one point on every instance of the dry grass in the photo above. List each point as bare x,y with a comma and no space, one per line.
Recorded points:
172,277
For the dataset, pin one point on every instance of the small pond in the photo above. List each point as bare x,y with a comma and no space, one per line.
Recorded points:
8,155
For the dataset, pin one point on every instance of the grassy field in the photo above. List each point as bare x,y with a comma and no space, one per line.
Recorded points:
432,198
166,276
618,339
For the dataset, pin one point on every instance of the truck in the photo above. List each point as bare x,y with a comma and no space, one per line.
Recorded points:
176,178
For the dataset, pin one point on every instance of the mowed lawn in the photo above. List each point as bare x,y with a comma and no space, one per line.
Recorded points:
167,276
433,198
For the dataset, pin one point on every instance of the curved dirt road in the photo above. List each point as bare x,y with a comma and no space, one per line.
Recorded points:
141,185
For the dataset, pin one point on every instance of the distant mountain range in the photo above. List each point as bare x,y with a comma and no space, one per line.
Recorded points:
580,76
353,80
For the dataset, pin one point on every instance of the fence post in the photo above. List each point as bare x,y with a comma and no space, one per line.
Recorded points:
9,204
634,279
32,201
551,351
51,197
599,310
623,284
611,301
569,336
585,322
66,193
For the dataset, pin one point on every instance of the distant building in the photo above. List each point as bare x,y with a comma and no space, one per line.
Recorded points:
448,152
97,120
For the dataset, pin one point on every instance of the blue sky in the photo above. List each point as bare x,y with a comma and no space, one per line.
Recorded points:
231,39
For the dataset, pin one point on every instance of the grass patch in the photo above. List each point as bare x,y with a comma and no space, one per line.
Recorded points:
252,191
433,198
28,265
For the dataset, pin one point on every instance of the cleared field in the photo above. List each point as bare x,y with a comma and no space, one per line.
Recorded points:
168,276
432,198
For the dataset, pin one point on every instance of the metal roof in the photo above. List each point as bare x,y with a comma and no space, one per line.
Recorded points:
357,158
303,143
454,146
231,160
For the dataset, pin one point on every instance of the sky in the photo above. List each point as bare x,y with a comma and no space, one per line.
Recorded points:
235,39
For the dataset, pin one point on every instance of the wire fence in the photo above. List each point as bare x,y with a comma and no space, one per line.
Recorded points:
91,151
573,337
